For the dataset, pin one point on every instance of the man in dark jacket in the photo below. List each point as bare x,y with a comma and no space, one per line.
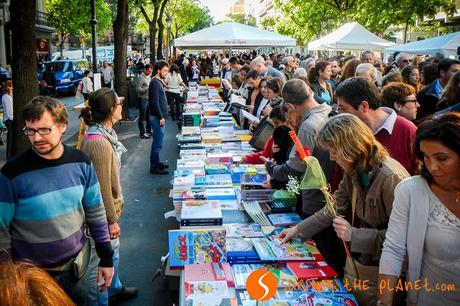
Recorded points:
158,108
429,96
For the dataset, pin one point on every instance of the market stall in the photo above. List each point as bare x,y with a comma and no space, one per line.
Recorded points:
350,36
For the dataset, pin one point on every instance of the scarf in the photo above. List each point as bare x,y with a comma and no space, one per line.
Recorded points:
111,136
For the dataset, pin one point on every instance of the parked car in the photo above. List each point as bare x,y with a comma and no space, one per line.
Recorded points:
67,74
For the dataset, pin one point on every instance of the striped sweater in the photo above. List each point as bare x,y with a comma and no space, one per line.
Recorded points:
45,206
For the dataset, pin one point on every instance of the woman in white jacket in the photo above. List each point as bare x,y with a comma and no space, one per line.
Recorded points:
425,221
87,84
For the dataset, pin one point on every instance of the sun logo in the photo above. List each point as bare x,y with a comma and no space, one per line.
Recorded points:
261,285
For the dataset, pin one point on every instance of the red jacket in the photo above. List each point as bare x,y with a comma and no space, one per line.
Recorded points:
254,158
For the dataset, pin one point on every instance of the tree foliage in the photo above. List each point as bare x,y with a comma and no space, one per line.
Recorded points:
241,18
307,22
72,17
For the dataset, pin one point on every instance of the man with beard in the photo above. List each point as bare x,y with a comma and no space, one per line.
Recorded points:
49,196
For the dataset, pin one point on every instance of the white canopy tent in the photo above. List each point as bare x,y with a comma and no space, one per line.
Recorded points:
350,36
446,44
232,35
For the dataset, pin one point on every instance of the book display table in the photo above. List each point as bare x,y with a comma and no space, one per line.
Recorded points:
229,224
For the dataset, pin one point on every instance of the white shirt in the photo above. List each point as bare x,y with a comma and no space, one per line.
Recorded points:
7,103
107,73
87,85
389,122
174,80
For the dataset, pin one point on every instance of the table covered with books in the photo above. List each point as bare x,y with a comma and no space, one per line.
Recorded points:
229,224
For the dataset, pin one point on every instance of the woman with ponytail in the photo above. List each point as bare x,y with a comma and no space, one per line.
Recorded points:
102,146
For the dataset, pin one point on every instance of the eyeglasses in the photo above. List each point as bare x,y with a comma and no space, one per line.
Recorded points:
410,101
42,131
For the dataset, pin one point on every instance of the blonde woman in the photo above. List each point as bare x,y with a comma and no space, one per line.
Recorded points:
365,194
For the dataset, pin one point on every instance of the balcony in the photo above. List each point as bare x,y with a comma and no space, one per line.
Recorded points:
41,22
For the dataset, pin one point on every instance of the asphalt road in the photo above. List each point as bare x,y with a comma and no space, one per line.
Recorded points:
144,229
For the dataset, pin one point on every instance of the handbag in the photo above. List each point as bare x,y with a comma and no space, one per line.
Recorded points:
262,132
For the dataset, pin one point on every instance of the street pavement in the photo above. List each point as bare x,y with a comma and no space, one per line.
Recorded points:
143,227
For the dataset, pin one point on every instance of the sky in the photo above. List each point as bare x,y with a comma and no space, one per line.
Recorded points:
220,8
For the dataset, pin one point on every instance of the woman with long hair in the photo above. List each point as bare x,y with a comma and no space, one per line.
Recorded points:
173,91
411,76
101,144
318,78
87,84
424,226
365,194
7,104
349,69
273,94
451,93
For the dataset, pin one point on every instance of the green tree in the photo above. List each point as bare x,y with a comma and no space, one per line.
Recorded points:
71,17
242,18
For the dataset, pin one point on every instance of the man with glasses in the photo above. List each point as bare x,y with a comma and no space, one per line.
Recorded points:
402,60
49,196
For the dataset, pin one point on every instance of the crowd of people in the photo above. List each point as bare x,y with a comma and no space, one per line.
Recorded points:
386,137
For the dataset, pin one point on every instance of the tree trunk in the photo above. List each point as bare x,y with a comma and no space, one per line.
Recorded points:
61,45
23,65
161,28
153,34
120,34
406,28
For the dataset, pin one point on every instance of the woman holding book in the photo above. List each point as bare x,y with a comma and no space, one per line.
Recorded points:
365,196
425,221
102,146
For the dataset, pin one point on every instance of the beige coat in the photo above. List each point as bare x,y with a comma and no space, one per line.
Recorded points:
373,209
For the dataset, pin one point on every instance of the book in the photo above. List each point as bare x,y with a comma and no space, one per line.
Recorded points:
283,275
216,168
229,204
284,219
219,180
209,272
207,293
277,206
201,213
196,246
312,270
220,193
270,248
255,212
331,299
243,230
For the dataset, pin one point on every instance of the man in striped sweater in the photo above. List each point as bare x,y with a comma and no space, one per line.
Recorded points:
49,195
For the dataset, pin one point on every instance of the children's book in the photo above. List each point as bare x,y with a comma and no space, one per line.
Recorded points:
245,230
284,219
312,270
208,293
196,246
284,276
209,272
270,248
331,299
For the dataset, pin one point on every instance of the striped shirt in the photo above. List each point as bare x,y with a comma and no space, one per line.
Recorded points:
45,206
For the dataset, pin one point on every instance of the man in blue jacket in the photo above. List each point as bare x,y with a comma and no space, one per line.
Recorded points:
158,107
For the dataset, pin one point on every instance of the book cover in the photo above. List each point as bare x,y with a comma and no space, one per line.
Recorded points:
219,180
192,210
208,293
229,204
270,248
283,275
220,193
312,270
240,248
209,272
196,246
284,219
331,299
244,230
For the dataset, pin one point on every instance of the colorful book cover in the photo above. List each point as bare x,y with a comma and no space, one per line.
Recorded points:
240,249
216,168
219,180
283,274
270,248
196,246
209,272
312,270
206,293
284,219
331,299
229,204
245,230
